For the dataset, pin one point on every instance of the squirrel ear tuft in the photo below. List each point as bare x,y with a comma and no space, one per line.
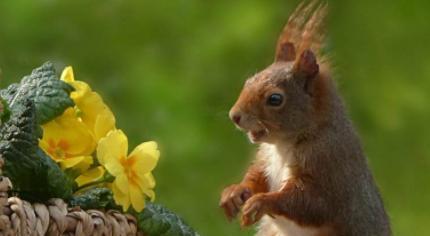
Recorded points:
307,65
285,52
307,69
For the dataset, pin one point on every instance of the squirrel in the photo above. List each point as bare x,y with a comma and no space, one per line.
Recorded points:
310,175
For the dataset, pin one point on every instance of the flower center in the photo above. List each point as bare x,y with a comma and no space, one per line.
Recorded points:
58,149
128,164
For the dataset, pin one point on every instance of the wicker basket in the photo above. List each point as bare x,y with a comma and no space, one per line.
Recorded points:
19,217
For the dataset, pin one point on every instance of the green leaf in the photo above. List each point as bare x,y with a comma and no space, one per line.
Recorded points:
42,86
155,220
94,198
35,176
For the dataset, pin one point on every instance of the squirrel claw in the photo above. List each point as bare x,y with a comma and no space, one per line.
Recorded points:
254,209
232,199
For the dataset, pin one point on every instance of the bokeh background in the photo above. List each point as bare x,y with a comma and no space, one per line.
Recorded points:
171,69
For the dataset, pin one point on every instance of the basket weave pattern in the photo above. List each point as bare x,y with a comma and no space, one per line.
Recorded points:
19,217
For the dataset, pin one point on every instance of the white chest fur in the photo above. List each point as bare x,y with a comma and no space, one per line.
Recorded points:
278,162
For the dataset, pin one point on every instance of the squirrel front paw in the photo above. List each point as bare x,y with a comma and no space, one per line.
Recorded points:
232,199
255,208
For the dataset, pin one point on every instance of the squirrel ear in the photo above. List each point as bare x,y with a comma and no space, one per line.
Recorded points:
307,65
306,69
285,52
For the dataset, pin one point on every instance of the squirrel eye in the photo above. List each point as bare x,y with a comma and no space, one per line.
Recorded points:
275,99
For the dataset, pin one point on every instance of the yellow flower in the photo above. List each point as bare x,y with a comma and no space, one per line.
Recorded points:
90,107
90,176
133,178
67,141
81,88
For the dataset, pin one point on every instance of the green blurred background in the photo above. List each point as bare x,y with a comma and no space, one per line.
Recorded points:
171,69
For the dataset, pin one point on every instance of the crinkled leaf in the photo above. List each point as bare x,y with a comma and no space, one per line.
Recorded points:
34,175
94,198
156,220
42,86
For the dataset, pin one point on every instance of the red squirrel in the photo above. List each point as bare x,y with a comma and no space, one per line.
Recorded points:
310,176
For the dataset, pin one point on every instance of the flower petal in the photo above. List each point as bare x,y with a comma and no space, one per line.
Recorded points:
71,161
146,156
137,198
122,183
145,180
82,90
44,144
67,74
150,193
150,179
91,106
146,184
85,164
74,136
120,198
110,149
104,123
90,176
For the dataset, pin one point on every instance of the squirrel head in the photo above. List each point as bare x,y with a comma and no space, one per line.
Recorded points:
281,101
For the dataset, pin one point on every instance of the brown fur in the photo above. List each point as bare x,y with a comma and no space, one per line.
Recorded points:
329,187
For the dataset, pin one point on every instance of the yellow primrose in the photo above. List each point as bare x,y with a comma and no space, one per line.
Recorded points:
67,141
90,176
96,115
133,178
81,88
89,106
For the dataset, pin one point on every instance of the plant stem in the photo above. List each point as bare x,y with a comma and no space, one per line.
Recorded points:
107,178
90,184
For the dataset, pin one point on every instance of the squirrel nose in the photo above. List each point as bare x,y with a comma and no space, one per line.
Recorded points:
236,118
